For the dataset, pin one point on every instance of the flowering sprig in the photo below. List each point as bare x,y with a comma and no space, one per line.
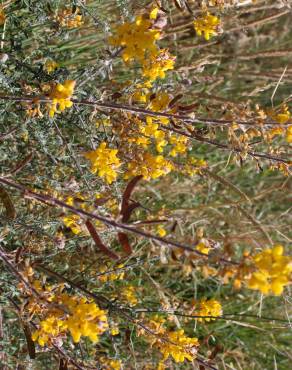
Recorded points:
105,162
80,317
138,42
61,95
272,271
207,25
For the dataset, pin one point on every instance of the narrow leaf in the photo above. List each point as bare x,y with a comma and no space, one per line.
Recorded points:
21,164
63,364
101,201
128,191
175,100
128,211
7,202
187,108
29,341
124,241
99,242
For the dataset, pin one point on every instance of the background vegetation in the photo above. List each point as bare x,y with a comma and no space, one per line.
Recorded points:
239,203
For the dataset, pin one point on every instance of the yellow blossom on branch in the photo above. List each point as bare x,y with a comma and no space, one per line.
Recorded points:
289,135
272,271
203,247
69,19
104,161
128,294
73,222
155,67
137,39
161,231
160,102
115,275
138,42
50,66
178,346
209,307
110,364
79,316
150,167
283,116
179,143
61,95
207,25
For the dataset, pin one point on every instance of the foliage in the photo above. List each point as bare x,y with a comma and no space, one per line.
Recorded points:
144,184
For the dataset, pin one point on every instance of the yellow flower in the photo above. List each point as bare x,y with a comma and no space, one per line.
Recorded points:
154,12
203,248
179,143
50,66
160,102
68,19
161,231
128,294
207,25
289,135
61,95
72,222
281,116
272,271
150,167
209,307
104,161
155,67
110,364
179,346
137,39
117,275
275,131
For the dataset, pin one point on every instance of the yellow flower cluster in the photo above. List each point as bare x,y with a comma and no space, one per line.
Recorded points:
203,247
68,19
289,135
210,307
50,66
161,231
284,116
150,167
194,166
110,364
169,343
179,145
79,316
179,346
104,161
272,271
61,95
117,275
151,130
207,25
73,222
138,42
137,39
155,66
128,294
160,102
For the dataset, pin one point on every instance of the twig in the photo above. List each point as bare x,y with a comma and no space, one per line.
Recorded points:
110,222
